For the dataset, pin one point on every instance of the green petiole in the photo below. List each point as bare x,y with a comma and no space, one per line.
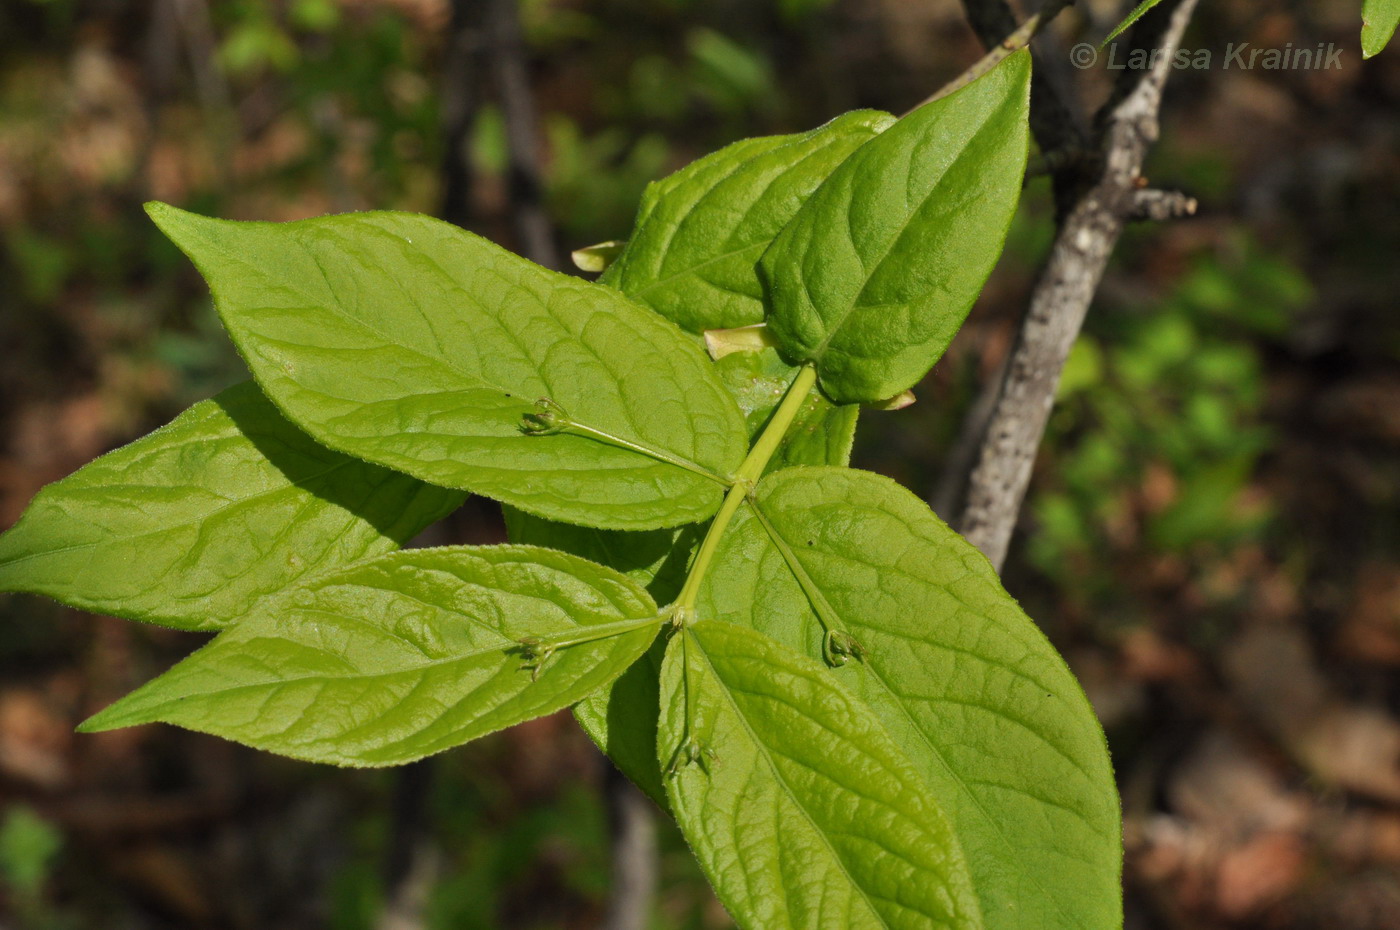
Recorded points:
549,418
746,478
838,646
537,650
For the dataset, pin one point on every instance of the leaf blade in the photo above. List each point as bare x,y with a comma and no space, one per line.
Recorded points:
621,717
413,344
173,528
1138,13
402,656
1379,21
700,231
880,266
811,816
962,679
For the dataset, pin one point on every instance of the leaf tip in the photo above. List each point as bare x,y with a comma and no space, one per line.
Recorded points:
159,210
101,721
169,219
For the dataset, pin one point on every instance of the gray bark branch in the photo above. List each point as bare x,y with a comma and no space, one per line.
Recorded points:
508,63
1127,128
635,860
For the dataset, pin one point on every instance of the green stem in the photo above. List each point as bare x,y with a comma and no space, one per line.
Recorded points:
663,456
550,418
586,634
837,644
537,650
746,478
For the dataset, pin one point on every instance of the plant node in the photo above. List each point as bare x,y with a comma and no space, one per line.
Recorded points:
691,752
839,647
546,419
536,653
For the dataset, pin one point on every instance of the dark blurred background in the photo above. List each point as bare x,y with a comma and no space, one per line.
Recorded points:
1213,532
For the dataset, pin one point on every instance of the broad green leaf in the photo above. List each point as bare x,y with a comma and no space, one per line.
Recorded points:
700,231
194,524
413,344
959,675
405,655
880,266
1138,13
1379,19
802,810
621,718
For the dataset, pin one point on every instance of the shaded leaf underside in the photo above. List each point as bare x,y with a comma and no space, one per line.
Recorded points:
195,523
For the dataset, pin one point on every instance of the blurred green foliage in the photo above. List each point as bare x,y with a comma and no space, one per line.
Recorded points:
1159,428
28,846
29,851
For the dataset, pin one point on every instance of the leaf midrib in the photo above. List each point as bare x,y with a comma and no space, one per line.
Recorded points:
360,675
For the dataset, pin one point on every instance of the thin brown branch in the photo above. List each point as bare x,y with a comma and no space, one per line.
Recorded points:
1086,239
463,67
633,843
998,52
1056,126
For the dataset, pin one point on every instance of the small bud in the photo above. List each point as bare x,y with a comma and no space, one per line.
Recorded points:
597,258
536,653
840,647
682,617
546,419
691,752
897,402
722,342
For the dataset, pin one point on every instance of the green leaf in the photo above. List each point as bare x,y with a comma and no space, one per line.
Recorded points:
1138,13
803,812
405,655
700,231
194,524
958,674
880,266
413,344
1380,17
621,718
